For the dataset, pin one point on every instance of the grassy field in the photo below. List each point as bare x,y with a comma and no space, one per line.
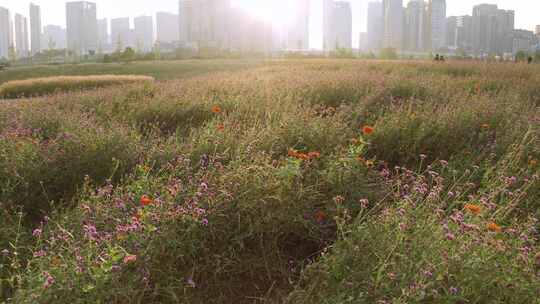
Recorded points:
315,181
161,70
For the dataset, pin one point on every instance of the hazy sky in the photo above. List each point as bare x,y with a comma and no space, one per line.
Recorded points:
53,11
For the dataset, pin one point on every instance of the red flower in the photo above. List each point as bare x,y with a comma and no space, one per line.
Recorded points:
146,201
314,154
320,216
216,109
367,130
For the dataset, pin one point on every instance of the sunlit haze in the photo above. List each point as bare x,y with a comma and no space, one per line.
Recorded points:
276,11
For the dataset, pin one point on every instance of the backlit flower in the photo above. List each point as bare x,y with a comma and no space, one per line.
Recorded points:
130,258
146,201
474,209
216,109
314,154
367,130
494,227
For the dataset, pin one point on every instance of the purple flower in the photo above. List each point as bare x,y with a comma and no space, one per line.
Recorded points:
39,254
428,273
205,222
37,232
49,280
191,283
450,236
364,203
90,231
453,290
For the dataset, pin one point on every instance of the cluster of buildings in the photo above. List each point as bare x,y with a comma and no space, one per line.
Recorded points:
198,24
422,26
20,37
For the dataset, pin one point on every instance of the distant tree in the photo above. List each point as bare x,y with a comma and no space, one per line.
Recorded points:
140,49
388,53
128,55
12,53
521,56
342,53
461,53
157,51
119,44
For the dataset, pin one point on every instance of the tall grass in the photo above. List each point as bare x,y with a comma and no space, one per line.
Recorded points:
261,185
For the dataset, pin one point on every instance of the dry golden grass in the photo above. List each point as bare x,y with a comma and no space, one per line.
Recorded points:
48,85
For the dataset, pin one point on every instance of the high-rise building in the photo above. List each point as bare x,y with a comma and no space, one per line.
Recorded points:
492,30
415,25
21,36
55,37
375,25
120,33
393,24
35,28
464,33
451,32
363,42
82,32
167,27
437,13
537,31
186,20
5,33
329,37
144,33
522,41
337,25
210,22
298,34
343,24
103,33
248,34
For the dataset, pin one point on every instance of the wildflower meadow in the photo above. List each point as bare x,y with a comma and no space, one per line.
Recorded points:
281,181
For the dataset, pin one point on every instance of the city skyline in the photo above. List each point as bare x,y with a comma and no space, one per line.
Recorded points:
53,12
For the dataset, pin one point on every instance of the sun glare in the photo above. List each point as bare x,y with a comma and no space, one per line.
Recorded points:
278,12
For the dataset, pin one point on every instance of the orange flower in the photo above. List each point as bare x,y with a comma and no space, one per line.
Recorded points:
302,156
314,154
320,216
130,258
474,209
145,201
494,227
485,126
367,130
533,162
478,89
220,127
216,109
